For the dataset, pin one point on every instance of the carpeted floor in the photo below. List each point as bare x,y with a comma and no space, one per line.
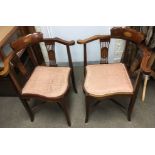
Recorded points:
105,115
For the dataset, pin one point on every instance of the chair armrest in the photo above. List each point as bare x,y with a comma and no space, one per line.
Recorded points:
58,40
93,38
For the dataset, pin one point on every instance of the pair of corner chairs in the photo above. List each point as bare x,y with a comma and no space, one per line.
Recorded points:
102,81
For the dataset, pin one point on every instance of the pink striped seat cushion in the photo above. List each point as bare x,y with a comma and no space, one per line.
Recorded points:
49,82
107,79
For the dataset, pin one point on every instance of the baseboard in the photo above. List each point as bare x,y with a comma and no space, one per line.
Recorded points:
77,63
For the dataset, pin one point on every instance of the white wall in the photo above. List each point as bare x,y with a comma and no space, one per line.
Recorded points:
75,33
82,32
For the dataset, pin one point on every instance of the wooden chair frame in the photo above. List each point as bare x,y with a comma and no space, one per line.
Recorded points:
27,42
128,35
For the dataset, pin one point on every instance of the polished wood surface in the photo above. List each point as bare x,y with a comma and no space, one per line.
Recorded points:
58,40
127,34
25,41
5,33
93,38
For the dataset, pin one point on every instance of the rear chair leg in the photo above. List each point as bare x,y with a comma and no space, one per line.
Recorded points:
87,109
62,105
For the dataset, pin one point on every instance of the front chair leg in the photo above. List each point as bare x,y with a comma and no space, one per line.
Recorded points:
130,108
133,97
87,109
62,105
28,109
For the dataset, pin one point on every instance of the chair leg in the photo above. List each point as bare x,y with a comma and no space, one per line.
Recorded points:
62,105
28,109
87,109
146,78
131,106
133,98
73,81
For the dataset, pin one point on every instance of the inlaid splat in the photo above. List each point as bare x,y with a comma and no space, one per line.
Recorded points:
51,54
104,44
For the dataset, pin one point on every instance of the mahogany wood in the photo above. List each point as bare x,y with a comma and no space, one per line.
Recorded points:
5,33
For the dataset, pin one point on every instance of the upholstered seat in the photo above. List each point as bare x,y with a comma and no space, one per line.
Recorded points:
49,82
107,79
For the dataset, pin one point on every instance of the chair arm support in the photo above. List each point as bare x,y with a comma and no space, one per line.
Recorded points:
58,40
93,38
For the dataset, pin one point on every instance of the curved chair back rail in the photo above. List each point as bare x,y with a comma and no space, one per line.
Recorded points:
35,38
127,34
